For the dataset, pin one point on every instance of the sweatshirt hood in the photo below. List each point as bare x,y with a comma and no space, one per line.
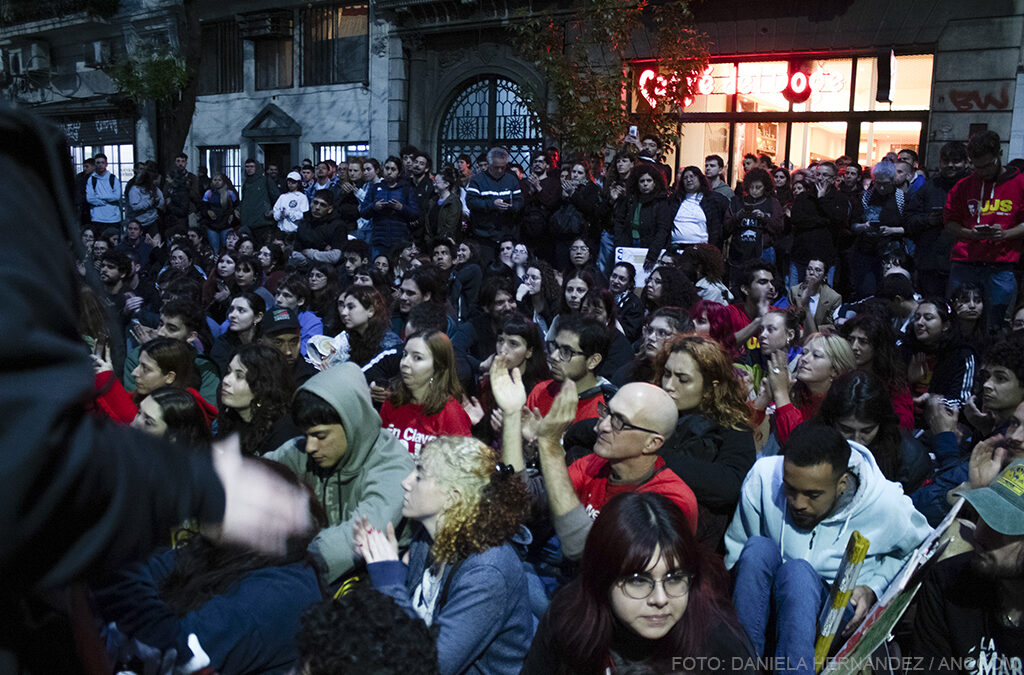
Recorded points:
344,387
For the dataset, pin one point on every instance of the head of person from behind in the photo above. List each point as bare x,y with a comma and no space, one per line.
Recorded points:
643,581
815,473
464,498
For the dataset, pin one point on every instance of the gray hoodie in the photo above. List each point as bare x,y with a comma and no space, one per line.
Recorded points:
367,481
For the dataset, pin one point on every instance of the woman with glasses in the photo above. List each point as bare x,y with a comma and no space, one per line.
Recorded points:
581,260
712,448
647,596
462,573
425,400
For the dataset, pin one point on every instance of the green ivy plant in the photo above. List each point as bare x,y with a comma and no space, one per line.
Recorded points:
157,76
585,55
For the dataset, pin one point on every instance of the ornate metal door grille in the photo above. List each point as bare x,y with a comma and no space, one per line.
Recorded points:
489,111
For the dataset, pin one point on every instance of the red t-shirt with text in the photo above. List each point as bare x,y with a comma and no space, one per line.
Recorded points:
411,426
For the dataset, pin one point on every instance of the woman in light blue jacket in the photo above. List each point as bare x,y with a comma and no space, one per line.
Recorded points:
463,573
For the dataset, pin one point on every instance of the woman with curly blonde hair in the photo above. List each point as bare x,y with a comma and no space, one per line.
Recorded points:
712,448
462,573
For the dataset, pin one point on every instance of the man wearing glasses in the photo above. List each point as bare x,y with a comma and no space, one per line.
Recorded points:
575,355
631,429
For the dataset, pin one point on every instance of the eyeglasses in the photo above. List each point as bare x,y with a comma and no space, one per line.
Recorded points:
619,422
640,586
564,352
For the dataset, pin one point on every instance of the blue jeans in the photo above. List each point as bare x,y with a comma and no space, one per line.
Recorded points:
788,594
997,282
218,240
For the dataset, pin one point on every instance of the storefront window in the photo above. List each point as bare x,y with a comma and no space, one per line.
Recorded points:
759,86
702,139
816,141
879,138
912,86
830,87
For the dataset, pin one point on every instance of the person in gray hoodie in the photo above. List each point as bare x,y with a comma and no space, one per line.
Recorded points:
354,466
788,538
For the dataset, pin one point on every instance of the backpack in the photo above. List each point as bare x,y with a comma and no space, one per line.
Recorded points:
109,175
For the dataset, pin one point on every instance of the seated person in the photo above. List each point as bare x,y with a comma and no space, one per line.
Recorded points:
280,330
813,295
631,431
575,356
216,604
347,458
970,606
293,293
756,293
661,325
789,535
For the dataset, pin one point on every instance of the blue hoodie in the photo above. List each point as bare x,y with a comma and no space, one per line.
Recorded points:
878,509
486,626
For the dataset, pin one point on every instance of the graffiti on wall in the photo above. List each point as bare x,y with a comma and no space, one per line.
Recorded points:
973,99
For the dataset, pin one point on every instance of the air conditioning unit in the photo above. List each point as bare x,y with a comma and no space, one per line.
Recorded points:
15,62
271,24
97,54
36,57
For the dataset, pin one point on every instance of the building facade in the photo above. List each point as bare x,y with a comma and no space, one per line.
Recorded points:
286,81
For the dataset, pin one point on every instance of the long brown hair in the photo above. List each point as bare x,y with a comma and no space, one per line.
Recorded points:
445,383
364,347
723,399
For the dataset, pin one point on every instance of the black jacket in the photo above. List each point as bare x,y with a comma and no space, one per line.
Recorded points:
712,460
80,494
654,222
818,224
319,233
922,222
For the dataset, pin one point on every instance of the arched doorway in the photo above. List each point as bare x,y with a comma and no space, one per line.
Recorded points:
486,111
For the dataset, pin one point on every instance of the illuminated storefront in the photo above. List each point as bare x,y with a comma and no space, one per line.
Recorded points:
746,105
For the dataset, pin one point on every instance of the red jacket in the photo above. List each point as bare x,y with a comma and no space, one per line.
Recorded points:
999,204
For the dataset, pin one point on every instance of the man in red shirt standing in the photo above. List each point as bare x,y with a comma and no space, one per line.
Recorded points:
984,212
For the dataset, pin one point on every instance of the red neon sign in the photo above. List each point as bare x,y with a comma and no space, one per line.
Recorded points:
749,78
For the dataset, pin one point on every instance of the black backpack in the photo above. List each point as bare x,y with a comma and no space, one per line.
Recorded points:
109,175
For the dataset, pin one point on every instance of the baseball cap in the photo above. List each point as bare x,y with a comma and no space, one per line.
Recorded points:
1001,504
278,320
295,176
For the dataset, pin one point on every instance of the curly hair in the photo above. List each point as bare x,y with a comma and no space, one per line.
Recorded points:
364,346
708,259
676,289
885,361
269,376
550,291
365,631
490,506
724,399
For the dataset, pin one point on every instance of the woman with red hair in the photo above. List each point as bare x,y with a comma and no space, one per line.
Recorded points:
711,319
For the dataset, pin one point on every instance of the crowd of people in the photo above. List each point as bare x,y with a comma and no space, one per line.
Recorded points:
524,453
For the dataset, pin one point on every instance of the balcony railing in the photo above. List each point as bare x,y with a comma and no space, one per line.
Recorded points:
15,12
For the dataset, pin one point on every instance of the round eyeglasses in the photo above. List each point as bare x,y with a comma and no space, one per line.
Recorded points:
640,586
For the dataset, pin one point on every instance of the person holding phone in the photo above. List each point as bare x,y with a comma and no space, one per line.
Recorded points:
390,206
984,211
